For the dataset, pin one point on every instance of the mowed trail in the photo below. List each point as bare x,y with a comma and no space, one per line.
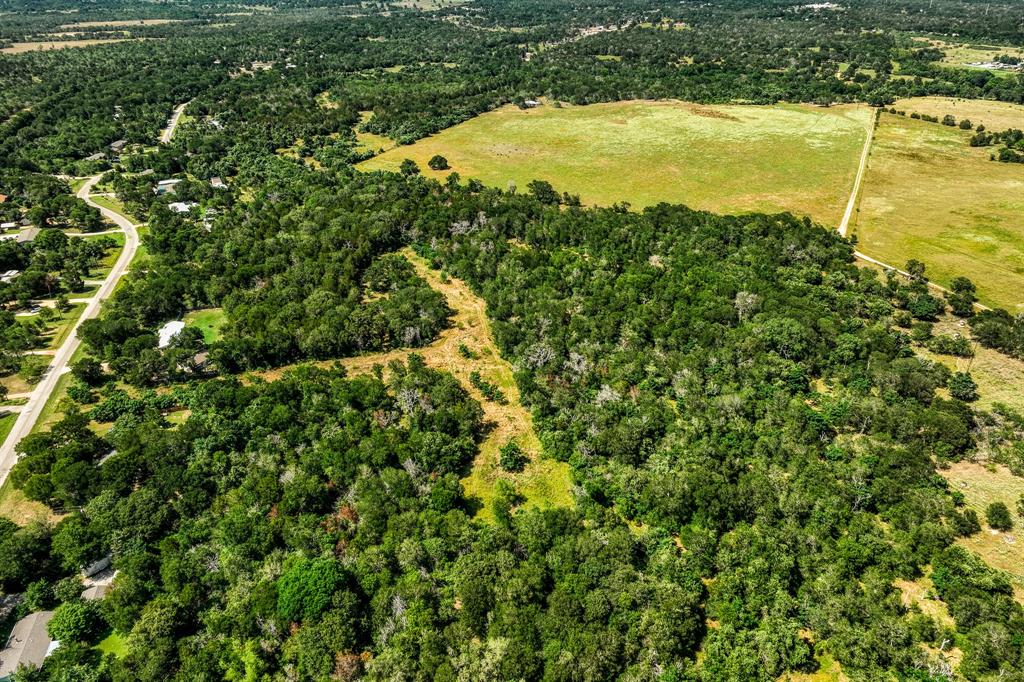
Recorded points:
543,482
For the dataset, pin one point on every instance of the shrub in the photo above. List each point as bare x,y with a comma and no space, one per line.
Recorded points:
490,391
512,457
962,387
998,516
438,163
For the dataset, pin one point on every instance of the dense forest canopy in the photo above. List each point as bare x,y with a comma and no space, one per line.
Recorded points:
754,444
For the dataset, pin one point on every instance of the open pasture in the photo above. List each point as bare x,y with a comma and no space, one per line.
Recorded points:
928,195
990,113
728,158
18,48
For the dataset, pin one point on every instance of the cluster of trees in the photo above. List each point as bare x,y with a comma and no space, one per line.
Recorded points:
753,443
734,384
1012,141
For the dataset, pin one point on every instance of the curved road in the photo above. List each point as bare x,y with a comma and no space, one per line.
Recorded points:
29,414
168,132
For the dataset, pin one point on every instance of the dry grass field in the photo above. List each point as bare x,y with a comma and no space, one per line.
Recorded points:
982,485
990,113
730,159
18,48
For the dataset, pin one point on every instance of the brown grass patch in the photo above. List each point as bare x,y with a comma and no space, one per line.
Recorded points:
543,482
981,485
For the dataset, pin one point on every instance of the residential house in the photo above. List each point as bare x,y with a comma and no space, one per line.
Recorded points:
181,206
166,186
96,592
8,226
98,156
3,198
531,103
217,183
168,332
27,235
9,276
28,645
118,145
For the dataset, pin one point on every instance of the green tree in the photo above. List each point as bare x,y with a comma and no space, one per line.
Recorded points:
438,163
408,168
962,387
998,516
75,621
304,590
512,457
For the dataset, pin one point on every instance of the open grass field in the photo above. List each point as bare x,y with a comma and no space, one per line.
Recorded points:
372,141
208,321
18,48
114,205
18,508
962,55
730,159
993,115
543,482
999,377
60,328
928,195
982,485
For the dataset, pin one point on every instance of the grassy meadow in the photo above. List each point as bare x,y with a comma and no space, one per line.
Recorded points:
990,113
982,485
729,159
928,195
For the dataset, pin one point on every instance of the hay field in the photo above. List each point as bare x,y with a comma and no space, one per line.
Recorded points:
730,158
18,48
992,114
928,195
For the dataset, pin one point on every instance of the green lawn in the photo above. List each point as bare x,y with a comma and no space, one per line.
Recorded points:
209,321
928,195
114,205
6,424
51,412
58,333
114,643
729,159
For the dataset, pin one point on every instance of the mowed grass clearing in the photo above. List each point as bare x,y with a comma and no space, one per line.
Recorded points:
727,159
209,321
928,195
993,115
543,482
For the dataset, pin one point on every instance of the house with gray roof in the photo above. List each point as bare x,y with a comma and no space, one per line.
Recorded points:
28,645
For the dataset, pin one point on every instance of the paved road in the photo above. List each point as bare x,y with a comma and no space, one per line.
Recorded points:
852,203
31,411
168,132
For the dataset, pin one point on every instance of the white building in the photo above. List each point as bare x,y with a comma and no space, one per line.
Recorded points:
168,331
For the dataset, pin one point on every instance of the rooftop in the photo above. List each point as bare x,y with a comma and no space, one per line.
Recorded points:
28,645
